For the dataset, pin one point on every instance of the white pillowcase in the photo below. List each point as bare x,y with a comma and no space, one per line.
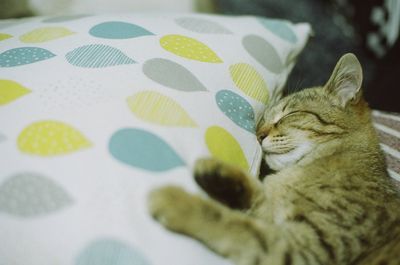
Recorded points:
95,111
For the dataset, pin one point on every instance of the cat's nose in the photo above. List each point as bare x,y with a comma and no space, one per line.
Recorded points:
262,133
261,136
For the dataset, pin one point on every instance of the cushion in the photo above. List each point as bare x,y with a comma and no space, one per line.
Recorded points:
96,110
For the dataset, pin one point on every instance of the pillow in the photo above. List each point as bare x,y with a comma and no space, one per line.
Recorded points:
96,111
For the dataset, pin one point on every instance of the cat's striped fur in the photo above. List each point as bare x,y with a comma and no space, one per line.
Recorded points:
330,201
387,253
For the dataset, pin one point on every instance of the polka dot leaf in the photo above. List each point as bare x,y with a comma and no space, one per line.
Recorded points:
237,109
107,251
30,195
24,55
189,48
49,138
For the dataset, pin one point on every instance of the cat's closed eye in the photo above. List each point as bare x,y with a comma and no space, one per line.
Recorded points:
286,116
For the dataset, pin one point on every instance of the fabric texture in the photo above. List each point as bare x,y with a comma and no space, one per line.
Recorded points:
388,128
95,111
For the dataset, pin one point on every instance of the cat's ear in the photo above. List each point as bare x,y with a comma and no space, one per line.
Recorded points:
345,81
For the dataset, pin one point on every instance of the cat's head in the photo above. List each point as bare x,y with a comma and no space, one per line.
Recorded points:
294,126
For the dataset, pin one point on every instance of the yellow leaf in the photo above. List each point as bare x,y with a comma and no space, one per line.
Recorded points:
224,146
4,36
189,48
45,34
10,91
155,107
48,138
247,79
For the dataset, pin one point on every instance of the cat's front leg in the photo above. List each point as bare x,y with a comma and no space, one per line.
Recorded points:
180,211
227,232
228,184
242,238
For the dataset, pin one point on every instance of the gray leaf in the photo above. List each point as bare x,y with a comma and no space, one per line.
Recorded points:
29,195
172,75
263,52
201,25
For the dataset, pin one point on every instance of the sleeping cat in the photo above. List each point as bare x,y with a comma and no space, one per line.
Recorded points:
330,201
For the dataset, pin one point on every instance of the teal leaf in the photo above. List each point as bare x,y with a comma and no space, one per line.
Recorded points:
118,30
237,109
97,56
172,75
143,149
29,195
110,252
281,28
201,25
263,52
24,55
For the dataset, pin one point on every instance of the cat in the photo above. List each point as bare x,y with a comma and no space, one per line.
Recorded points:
330,200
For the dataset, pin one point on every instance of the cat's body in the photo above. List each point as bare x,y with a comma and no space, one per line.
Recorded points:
387,253
331,200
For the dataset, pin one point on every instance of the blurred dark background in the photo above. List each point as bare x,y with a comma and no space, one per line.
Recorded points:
368,28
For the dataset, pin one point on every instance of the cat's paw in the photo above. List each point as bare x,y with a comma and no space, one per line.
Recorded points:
223,182
207,169
171,206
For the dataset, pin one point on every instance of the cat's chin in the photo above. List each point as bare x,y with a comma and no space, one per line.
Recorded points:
278,162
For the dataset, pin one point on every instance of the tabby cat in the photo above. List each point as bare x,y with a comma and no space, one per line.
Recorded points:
330,200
